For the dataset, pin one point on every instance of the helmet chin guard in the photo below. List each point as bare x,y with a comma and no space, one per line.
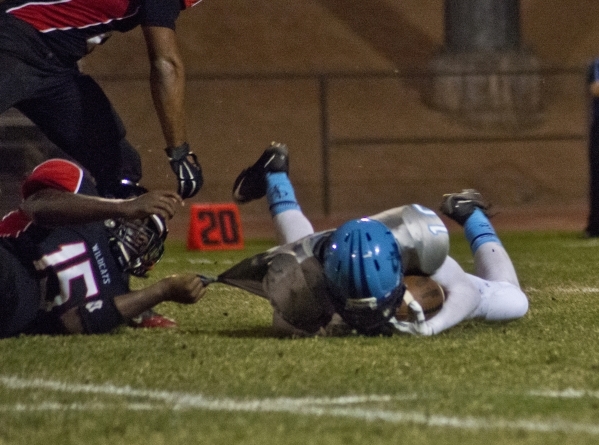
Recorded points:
138,244
363,267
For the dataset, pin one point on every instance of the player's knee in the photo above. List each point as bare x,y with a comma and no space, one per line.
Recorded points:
520,305
508,303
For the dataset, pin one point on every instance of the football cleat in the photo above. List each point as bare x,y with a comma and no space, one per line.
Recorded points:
251,182
151,319
459,206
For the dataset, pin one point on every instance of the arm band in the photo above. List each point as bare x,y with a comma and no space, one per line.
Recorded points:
100,316
177,153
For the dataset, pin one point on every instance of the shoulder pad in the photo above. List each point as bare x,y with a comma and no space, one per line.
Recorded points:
422,237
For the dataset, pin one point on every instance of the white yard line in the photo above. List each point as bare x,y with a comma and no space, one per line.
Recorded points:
568,393
336,407
565,290
55,406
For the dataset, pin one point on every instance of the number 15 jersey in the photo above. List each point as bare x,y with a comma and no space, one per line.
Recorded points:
74,264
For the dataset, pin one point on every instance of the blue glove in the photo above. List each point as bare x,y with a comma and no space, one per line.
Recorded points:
185,165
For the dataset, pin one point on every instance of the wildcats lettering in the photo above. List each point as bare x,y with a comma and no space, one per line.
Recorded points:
101,264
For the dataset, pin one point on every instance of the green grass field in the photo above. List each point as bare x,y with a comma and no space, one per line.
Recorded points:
221,379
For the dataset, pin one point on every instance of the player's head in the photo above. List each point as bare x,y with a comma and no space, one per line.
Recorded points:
362,264
138,244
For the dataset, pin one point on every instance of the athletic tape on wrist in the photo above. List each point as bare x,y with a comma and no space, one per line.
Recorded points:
178,153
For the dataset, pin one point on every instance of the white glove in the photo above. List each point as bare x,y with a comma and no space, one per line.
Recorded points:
418,327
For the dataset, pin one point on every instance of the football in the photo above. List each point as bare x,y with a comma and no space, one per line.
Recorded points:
425,291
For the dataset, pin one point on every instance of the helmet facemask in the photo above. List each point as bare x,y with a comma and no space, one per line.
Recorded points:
138,244
369,317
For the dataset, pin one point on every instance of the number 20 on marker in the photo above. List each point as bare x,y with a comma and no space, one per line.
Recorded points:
214,227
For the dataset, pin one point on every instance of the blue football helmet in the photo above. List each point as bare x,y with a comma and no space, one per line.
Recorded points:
362,264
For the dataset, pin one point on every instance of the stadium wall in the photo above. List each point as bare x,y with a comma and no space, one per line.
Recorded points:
256,70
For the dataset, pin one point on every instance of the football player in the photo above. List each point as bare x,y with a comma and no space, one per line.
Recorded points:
492,293
66,255
352,274
324,283
41,43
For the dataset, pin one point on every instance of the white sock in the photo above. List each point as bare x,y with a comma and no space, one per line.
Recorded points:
492,263
292,225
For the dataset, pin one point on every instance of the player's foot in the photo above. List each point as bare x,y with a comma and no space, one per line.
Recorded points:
459,206
151,319
124,189
251,182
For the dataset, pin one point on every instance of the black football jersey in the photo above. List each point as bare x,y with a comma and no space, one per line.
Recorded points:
74,264
71,27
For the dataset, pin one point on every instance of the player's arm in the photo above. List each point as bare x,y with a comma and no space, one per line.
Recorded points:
167,82
282,328
53,208
99,316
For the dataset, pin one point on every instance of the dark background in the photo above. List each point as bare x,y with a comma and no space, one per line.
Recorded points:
259,71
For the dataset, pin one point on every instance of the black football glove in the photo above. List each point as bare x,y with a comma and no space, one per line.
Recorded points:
187,168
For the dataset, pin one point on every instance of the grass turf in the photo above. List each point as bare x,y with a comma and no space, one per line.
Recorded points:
221,378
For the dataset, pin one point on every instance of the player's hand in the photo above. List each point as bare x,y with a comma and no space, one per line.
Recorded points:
186,167
183,289
336,328
160,202
418,327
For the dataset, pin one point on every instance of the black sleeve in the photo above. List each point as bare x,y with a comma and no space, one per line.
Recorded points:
162,13
99,316
46,323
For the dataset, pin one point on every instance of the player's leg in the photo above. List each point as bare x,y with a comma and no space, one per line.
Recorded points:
462,297
128,185
500,301
269,176
491,260
20,297
468,296
130,161
500,295
289,220
592,228
12,75
75,114
25,62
